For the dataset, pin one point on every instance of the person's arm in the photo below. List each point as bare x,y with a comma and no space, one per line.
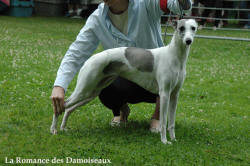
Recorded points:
79,51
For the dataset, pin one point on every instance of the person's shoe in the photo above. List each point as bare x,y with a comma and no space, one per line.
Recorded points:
115,121
155,126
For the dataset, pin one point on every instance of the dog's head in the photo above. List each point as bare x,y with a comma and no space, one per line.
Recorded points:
185,30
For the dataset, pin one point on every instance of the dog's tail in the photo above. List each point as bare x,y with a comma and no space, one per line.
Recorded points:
72,103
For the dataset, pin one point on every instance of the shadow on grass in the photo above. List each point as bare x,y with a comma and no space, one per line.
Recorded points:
130,128
194,133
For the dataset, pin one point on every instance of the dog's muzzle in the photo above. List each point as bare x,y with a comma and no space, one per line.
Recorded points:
188,41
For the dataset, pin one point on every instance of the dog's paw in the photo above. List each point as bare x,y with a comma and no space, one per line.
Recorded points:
64,129
53,131
172,134
172,137
174,140
166,142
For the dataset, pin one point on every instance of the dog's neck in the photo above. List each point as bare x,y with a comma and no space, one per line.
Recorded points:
181,49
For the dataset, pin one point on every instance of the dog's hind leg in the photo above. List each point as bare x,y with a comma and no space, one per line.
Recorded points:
54,124
69,110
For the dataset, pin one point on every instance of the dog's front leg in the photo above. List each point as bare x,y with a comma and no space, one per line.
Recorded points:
172,113
164,104
54,124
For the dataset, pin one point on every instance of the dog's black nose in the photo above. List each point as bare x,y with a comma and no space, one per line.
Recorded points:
188,41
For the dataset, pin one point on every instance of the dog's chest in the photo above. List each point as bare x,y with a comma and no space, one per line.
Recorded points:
144,79
169,71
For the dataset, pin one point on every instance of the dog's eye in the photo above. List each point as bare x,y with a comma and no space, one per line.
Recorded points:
182,29
193,28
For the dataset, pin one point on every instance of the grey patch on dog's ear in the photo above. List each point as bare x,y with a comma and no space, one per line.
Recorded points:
113,66
141,59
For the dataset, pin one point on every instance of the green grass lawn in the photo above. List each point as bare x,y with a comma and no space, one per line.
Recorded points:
212,123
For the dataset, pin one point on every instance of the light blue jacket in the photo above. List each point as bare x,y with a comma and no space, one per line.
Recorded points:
144,31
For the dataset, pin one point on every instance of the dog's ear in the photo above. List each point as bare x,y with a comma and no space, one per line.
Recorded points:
174,23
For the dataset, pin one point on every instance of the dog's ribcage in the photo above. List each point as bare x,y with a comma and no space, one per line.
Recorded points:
104,67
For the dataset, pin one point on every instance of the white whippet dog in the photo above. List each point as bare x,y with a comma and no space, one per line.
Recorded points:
160,71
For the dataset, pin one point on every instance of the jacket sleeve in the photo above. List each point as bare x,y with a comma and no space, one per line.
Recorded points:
157,7
78,52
